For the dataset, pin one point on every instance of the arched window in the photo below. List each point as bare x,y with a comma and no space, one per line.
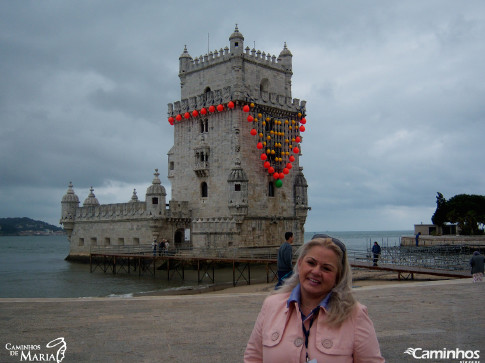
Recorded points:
270,189
203,189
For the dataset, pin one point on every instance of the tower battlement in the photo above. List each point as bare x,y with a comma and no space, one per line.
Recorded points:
270,99
216,57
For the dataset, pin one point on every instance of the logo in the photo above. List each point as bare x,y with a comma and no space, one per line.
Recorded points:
54,351
462,356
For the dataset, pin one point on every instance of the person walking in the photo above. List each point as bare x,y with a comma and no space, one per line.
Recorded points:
154,246
285,259
477,263
376,251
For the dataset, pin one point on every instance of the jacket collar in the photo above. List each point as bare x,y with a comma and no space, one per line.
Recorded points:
295,297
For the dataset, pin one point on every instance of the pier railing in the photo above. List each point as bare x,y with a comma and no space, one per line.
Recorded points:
449,259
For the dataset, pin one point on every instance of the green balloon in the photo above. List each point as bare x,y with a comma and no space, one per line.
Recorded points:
278,183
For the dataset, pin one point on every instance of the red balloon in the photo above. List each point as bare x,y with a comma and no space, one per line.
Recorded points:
303,121
286,171
264,157
282,176
260,144
178,117
276,175
289,166
292,158
254,132
297,139
186,115
271,170
302,128
203,111
266,164
246,108
195,113
220,108
170,119
230,104
250,118
296,150
212,109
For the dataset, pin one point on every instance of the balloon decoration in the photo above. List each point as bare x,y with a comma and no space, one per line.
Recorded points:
277,134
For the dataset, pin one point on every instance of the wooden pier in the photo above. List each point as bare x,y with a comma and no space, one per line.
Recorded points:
175,263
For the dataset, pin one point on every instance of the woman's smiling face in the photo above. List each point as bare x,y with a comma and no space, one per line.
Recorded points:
318,273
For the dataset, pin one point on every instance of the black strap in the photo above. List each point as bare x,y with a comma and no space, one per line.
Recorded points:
306,332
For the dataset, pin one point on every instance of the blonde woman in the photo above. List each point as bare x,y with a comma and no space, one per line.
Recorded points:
314,317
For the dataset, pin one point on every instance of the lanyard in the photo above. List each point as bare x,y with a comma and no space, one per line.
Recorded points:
306,332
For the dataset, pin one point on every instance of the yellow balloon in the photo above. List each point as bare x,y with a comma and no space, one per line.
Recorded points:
252,104
261,134
259,115
264,123
299,114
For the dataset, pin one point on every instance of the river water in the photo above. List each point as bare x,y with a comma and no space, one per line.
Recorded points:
35,266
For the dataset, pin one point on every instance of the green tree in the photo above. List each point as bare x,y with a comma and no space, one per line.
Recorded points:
439,216
468,211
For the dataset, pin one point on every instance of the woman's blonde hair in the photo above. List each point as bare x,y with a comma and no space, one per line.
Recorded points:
342,301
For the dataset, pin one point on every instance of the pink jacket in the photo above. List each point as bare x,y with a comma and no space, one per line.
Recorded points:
277,336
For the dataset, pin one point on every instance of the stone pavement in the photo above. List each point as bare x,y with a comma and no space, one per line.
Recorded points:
216,327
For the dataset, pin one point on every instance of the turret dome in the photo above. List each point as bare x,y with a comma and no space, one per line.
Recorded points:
134,197
236,34
91,199
285,52
185,54
70,196
156,188
237,174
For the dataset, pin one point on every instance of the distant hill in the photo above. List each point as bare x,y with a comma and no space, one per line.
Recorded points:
26,226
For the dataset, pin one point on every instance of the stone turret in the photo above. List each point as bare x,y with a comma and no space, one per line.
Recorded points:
184,61
236,42
134,197
91,200
70,202
238,191
300,194
155,197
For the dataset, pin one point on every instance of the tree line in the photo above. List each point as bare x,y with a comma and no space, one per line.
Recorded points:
467,211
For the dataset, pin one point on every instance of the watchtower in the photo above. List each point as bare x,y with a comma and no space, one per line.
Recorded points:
237,146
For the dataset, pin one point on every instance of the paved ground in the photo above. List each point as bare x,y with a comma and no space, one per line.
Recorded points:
215,327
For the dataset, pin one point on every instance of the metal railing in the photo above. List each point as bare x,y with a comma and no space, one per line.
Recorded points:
431,257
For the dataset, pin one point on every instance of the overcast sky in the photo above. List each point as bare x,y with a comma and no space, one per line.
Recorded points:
395,95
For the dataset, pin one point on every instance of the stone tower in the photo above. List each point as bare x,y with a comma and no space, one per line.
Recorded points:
235,162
